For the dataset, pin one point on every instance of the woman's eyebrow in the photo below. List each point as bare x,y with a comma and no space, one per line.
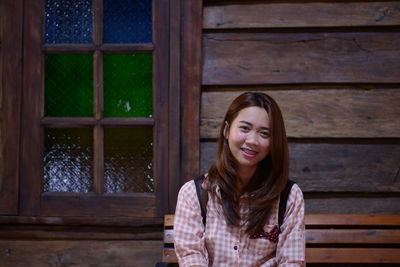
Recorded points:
250,124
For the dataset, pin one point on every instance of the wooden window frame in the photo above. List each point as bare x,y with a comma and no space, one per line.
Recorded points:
69,207
11,85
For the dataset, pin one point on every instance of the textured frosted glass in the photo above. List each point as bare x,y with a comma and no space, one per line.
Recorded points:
128,85
68,21
127,21
128,155
68,158
68,86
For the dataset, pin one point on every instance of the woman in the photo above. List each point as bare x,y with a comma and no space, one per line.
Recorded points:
243,188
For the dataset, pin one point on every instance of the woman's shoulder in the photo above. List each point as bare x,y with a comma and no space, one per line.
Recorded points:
295,194
188,187
296,188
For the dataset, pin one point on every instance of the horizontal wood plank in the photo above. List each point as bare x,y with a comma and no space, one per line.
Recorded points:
352,205
78,233
318,113
344,168
308,14
169,255
60,205
352,255
168,220
352,236
79,253
120,221
168,236
353,219
331,255
292,58
349,220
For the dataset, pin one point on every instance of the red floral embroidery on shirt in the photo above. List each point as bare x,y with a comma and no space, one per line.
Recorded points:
271,236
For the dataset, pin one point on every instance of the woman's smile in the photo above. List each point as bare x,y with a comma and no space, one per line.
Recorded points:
249,153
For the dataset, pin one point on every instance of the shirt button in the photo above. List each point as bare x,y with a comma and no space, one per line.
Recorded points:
235,247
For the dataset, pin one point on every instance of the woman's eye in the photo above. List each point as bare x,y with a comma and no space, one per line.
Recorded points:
244,128
264,134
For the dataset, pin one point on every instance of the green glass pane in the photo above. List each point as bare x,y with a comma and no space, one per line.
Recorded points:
128,160
68,160
68,86
128,85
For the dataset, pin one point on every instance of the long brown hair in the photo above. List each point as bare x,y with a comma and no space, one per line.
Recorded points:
271,174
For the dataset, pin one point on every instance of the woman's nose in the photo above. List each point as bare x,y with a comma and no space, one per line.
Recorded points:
252,138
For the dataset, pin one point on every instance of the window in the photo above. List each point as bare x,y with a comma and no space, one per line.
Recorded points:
95,118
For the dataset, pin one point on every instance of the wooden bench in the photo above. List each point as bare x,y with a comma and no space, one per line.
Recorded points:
334,238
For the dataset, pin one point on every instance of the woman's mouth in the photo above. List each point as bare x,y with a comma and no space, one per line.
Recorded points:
249,153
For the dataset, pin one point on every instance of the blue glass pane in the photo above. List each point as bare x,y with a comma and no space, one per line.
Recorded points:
68,21
127,21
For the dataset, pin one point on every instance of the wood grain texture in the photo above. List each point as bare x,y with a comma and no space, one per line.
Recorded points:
190,64
11,31
80,253
169,255
174,152
120,221
346,167
82,232
350,220
331,255
334,231
319,167
352,205
161,106
352,255
353,236
318,113
308,57
32,111
280,15
138,205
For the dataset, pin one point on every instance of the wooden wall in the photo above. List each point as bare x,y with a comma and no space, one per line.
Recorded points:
79,245
334,69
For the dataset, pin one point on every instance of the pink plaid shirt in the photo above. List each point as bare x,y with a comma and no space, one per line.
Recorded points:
220,244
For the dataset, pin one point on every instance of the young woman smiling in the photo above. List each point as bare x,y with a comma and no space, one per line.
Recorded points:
242,190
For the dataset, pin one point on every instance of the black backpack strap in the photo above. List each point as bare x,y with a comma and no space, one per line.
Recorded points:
283,201
198,181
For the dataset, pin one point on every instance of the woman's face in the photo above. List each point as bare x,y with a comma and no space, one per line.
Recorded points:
249,137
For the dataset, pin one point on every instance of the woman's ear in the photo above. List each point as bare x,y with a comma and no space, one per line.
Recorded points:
226,130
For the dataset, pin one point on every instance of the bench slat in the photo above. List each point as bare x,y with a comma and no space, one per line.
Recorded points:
352,236
335,236
331,255
334,219
352,255
169,220
353,219
169,255
168,236
315,234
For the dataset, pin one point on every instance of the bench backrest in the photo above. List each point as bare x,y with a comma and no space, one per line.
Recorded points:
335,238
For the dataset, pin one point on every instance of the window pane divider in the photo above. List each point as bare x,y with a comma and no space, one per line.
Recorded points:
64,122
127,122
89,48
98,140
90,194
67,122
